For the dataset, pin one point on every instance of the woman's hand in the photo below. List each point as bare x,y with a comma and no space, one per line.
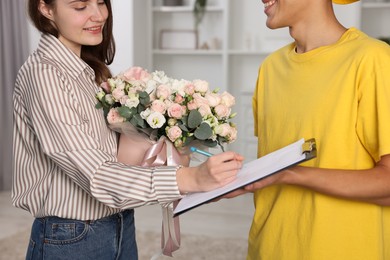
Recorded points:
216,172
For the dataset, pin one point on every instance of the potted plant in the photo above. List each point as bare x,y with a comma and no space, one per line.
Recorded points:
199,11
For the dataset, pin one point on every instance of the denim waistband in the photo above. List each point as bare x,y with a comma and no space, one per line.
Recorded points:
122,214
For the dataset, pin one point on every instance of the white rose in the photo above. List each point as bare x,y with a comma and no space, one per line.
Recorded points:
132,101
160,77
109,99
227,99
222,129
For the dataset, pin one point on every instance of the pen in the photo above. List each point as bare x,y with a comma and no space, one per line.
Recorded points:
196,150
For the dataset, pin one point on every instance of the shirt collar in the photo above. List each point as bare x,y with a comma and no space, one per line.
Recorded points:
56,50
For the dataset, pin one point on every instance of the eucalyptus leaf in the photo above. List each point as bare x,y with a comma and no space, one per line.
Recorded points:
98,105
141,108
203,132
210,143
140,121
184,128
144,98
184,120
144,101
134,121
127,112
194,119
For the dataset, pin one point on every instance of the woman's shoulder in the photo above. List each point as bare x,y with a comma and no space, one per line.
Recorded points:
38,64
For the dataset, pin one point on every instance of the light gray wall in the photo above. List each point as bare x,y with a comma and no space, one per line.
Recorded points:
349,15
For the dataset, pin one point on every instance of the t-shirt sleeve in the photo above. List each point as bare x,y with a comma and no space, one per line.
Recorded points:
373,122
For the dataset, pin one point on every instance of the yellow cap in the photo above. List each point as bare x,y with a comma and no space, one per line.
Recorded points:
344,2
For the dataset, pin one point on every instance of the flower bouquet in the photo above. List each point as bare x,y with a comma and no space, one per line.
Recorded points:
148,107
158,118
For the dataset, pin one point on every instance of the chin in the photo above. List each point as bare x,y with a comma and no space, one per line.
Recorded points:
93,42
274,26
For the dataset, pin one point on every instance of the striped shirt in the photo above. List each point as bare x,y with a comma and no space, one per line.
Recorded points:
64,154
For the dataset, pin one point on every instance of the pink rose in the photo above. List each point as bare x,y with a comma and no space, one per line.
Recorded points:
106,87
179,99
189,89
163,91
232,136
204,110
201,86
192,105
118,93
136,73
213,99
173,133
123,99
113,117
200,100
222,111
158,106
227,99
175,111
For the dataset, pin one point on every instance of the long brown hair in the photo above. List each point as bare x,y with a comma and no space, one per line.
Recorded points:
99,56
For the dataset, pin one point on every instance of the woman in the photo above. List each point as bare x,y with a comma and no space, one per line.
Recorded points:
331,84
66,172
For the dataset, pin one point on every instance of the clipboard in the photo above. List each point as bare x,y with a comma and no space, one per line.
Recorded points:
253,171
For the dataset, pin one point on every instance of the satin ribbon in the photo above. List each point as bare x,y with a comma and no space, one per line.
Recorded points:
164,153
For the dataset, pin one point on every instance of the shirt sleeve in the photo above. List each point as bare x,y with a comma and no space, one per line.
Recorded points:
373,122
77,143
255,107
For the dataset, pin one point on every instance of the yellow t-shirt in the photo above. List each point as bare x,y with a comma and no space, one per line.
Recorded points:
339,95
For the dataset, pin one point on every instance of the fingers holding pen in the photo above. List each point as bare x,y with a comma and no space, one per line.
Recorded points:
217,171
225,161
221,169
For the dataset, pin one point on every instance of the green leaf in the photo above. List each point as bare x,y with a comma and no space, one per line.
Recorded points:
210,143
194,119
143,94
134,121
144,101
98,105
127,112
140,108
140,121
184,120
183,128
144,98
203,132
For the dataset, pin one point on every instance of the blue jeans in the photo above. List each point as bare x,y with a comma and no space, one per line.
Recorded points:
107,238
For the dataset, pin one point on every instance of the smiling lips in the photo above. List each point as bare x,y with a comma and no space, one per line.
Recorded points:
269,3
95,29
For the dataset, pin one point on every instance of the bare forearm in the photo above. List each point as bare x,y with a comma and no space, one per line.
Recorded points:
371,185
